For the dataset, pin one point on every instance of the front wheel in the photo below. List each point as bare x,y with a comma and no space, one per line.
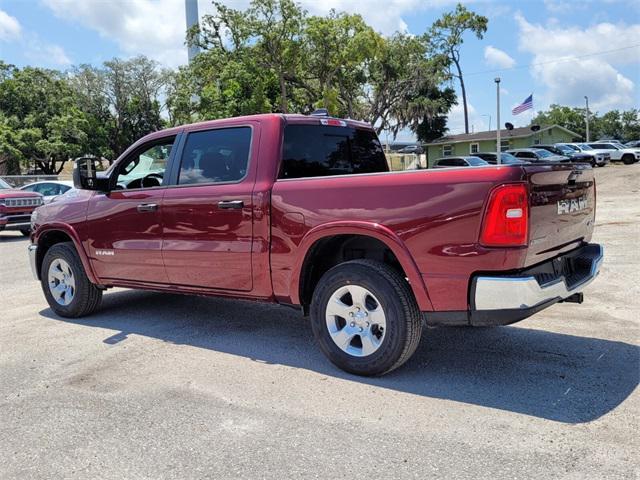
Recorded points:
628,159
365,318
65,284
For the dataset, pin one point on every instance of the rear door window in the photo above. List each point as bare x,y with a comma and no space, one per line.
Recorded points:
321,150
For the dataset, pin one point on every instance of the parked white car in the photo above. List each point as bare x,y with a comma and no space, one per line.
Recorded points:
618,152
49,189
602,157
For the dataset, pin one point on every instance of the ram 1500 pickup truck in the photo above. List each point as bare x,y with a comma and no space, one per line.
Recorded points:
16,207
303,210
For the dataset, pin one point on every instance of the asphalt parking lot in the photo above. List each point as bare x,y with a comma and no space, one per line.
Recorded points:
169,386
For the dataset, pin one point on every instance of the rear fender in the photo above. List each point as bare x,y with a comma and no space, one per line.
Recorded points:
373,230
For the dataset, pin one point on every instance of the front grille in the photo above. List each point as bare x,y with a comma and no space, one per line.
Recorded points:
23,202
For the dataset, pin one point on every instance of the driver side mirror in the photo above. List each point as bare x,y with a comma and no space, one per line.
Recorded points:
85,176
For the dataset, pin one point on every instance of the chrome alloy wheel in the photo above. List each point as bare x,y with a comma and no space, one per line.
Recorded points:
62,283
355,320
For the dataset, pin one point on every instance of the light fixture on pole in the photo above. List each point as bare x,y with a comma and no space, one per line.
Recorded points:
498,149
586,99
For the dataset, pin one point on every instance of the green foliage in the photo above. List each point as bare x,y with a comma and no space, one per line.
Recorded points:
614,124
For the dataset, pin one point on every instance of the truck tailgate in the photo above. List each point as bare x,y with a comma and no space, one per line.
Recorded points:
562,200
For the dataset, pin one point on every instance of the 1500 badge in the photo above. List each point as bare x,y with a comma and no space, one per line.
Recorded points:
571,205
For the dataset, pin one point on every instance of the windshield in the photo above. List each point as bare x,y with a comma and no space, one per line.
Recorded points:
4,185
574,148
475,161
544,153
564,149
619,145
508,158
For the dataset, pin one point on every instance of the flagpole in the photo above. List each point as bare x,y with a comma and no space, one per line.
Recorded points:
498,143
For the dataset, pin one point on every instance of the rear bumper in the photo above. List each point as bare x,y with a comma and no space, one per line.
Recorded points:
501,299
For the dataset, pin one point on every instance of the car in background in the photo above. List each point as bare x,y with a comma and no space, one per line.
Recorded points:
16,207
633,144
415,149
464,161
601,157
574,155
505,158
618,152
49,189
538,155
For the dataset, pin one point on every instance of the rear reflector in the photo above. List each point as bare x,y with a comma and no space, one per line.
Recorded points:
506,219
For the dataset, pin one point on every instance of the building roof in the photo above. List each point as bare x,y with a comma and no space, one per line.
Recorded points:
520,132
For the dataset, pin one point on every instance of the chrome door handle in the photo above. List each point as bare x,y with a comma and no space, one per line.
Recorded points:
147,207
227,204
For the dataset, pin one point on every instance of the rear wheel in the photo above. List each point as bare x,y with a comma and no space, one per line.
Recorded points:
628,159
364,317
65,284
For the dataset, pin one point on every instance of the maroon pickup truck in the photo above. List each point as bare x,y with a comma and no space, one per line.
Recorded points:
16,207
302,210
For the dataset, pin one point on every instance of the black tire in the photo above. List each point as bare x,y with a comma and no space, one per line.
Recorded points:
25,231
403,319
628,159
86,298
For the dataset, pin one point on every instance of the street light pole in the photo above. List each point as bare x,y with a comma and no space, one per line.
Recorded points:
498,149
587,116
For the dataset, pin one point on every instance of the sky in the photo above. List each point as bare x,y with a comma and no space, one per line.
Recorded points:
558,50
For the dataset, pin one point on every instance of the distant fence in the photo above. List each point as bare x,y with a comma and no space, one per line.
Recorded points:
18,181
410,161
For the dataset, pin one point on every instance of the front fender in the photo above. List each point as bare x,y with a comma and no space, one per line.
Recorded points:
68,230
374,230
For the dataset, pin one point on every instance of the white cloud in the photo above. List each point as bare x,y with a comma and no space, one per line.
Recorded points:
477,122
498,58
564,62
156,28
46,54
9,27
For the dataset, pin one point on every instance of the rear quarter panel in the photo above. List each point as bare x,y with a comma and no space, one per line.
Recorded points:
435,215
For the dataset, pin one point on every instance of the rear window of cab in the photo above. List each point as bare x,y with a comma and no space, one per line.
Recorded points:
322,150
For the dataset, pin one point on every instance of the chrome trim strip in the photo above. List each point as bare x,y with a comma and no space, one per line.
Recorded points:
33,253
502,293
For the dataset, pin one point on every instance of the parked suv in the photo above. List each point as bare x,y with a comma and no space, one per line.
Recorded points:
505,158
464,161
16,207
618,152
601,157
302,210
537,155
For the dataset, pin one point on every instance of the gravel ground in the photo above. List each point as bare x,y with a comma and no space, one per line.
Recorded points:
167,386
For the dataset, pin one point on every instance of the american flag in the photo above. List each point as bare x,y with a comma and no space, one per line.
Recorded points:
526,105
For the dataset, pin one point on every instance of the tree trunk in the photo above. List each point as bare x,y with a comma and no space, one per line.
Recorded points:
464,95
283,93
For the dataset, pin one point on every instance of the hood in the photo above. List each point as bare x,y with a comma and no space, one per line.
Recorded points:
15,193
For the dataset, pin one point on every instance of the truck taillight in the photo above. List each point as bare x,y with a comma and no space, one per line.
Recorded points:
506,219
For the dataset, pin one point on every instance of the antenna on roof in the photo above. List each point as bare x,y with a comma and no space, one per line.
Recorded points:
320,112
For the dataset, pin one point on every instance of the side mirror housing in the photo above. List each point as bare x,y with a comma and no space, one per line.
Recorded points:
85,175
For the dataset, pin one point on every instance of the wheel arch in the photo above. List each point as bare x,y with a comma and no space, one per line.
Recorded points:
61,233
333,237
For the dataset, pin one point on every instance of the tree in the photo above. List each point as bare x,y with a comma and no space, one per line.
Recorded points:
447,36
42,121
568,117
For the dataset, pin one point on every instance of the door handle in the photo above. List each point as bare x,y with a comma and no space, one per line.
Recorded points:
147,207
227,204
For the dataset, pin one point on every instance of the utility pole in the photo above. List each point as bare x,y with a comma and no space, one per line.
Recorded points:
587,116
498,149
191,11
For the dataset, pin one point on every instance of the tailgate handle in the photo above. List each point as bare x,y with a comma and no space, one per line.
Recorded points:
147,207
227,204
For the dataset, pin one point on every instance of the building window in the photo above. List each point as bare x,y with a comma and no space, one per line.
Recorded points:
474,148
504,145
536,141
447,150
